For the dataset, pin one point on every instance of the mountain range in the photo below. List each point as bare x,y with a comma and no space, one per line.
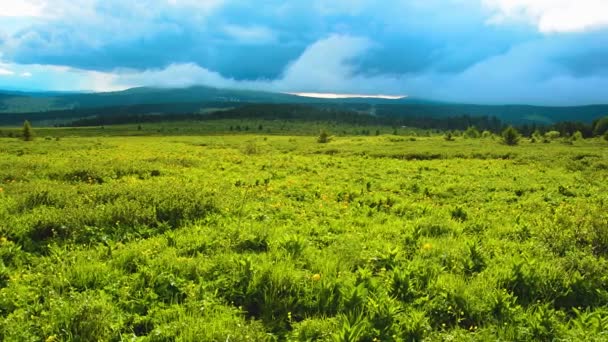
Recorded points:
53,106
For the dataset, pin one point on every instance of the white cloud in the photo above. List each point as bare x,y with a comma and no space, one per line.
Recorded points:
6,72
26,74
552,16
174,75
523,74
21,8
324,66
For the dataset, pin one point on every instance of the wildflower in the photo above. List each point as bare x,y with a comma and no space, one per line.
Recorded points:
316,277
3,240
52,338
427,246
1,190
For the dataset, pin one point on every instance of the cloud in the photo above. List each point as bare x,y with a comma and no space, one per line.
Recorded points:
250,34
461,50
517,76
552,16
6,72
21,8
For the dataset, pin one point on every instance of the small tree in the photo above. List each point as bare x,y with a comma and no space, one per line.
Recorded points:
448,136
578,135
536,136
600,126
324,137
510,136
472,133
28,132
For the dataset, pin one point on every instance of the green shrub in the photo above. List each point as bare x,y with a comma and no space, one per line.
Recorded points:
471,133
324,137
251,148
600,127
510,136
552,135
27,131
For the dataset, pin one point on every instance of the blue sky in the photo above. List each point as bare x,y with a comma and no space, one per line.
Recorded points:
485,51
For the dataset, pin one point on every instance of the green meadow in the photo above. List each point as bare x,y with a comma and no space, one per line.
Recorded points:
172,233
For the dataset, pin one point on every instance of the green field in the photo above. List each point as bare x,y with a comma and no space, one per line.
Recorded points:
255,236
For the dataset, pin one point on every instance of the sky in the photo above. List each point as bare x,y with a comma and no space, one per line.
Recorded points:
550,52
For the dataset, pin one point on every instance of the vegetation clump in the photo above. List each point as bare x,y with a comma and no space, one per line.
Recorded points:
600,126
27,131
510,136
552,135
324,137
472,133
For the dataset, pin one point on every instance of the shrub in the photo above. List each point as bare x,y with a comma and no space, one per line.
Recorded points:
536,137
324,137
448,136
552,135
578,135
606,136
601,126
28,132
486,134
458,214
472,133
251,148
510,136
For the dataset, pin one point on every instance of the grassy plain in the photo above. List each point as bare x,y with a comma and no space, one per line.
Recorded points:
268,237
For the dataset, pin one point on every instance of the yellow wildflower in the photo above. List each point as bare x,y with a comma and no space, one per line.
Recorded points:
316,277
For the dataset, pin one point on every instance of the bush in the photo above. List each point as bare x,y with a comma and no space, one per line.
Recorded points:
251,148
324,137
448,136
536,137
472,133
28,132
552,135
510,136
578,135
600,126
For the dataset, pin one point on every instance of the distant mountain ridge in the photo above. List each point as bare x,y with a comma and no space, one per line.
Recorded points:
198,98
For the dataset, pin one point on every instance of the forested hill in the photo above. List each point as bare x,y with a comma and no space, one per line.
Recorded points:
514,114
53,108
298,112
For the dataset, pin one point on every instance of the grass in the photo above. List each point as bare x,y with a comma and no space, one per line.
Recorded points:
236,237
